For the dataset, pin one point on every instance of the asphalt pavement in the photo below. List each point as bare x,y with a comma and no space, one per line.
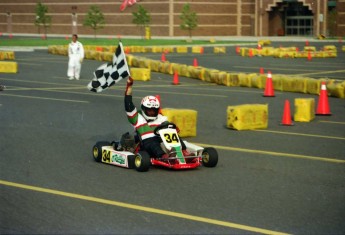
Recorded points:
279,180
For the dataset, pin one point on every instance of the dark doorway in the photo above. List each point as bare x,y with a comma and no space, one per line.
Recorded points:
291,18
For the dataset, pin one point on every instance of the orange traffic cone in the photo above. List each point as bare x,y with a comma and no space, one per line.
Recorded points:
307,43
201,50
262,70
269,90
127,50
163,59
175,81
286,120
238,50
309,55
195,62
250,53
323,106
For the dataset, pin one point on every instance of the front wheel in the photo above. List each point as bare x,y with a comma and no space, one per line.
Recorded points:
97,150
209,157
142,161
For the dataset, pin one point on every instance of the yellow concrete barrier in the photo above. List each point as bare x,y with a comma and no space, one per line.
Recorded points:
7,55
140,74
285,54
247,116
257,80
197,49
304,109
181,49
185,119
309,48
245,80
267,51
329,48
8,67
264,42
329,54
218,50
294,84
336,89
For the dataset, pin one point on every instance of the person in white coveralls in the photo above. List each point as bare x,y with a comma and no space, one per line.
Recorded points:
76,56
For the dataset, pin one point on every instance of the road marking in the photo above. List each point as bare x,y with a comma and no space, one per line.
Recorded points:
343,123
142,208
39,82
332,160
301,134
272,69
182,93
31,64
298,74
321,72
45,98
45,88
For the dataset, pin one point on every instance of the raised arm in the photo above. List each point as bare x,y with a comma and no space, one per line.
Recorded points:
129,106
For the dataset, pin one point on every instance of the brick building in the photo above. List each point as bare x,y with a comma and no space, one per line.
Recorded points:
215,18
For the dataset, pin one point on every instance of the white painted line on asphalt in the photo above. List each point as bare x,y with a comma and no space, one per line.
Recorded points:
45,98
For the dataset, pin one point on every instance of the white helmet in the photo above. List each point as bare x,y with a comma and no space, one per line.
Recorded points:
150,106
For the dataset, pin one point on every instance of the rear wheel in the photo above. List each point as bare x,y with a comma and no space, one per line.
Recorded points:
97,150
142,161
209,157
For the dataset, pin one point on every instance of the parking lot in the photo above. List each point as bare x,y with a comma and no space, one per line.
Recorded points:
279,180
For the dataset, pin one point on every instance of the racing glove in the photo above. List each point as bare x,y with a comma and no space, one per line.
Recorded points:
130,81
129,86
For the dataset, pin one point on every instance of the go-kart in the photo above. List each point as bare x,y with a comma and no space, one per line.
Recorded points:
129,153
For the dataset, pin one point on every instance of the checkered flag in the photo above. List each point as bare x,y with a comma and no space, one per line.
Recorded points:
110,73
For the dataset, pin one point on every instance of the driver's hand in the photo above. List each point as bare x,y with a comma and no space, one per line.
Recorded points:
130,81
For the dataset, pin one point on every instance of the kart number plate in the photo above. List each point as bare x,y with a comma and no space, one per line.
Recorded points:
170,137
114,158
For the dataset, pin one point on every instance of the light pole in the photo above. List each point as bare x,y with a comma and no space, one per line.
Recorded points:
74,20
9,24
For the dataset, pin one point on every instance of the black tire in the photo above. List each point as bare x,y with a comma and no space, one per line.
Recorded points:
97,150
209,157
131,161
142,161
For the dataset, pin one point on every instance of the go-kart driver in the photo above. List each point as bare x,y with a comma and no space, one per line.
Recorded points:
146,120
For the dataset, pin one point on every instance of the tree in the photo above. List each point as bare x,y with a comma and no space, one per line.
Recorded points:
142,19
42,19
189,19
94,19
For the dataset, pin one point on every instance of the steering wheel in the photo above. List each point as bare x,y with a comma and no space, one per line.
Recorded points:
164,125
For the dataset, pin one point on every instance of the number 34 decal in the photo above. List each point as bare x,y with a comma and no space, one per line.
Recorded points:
171,138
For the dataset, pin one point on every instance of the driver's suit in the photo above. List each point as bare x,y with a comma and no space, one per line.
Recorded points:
145,129
76,56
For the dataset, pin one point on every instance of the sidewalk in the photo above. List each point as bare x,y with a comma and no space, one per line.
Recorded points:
217,38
